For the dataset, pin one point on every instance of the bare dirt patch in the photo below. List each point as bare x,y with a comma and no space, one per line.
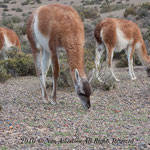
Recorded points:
118,119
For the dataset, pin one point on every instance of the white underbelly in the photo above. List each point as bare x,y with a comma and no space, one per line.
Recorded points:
41,40
7,43
122,42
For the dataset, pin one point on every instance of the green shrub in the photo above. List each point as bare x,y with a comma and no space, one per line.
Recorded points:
10,20
20,30
130,11
13,2
147,36
5,9
27,2
9,15
107,7
107,84
89,59
18,10
19,64
24,14
123,62
38,1
6,1
13,9
146,5
16,19
3,74
25,46
88,12
2,5
65,79
91,2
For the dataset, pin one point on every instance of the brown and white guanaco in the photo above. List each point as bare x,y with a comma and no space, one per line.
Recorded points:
115,35
8,38
48,28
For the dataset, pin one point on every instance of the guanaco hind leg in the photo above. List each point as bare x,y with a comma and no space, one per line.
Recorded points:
130,63
134,77
45,64
41,64
110,54
99,51
55,70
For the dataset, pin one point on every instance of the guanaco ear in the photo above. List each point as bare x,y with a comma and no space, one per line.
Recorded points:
77,76
79,83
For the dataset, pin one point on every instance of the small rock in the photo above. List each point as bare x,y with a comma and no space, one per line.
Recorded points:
11,127
142,146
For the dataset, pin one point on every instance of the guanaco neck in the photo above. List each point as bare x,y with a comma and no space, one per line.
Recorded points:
76,60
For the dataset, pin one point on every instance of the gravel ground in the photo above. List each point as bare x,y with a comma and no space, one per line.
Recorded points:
119,119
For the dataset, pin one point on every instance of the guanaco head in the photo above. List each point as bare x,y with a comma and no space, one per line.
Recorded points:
148,71
83,90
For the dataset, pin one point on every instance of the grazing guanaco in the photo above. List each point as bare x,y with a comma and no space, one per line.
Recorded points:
115,35
8,38
48,28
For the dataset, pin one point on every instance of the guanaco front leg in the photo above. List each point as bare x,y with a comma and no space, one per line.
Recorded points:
110,54
55,70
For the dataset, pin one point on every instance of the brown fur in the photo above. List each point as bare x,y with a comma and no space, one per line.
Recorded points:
63,27
69,35
1,40
130,30
12,37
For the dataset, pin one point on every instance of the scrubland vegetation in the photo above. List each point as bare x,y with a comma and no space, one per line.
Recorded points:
139,14
119,110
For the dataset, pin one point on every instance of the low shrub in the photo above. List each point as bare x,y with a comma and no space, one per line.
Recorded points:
147,35
107,84
91,2
89,59
142,12
18,64
88,12
19,10
38,1
130,11
10,20
13,9
13,2
27,2
146,5
21,64
123,62
5,9
3,74
2,5
6,1
107,7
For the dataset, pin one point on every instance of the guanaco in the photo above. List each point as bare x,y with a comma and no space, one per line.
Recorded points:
8,38
49,28
115,35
